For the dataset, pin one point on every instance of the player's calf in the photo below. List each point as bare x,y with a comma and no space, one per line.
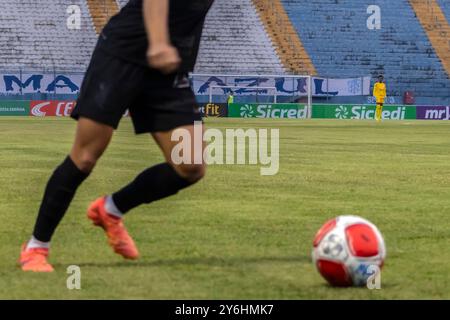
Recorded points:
156,183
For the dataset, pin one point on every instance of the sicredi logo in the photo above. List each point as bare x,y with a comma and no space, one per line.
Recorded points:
364,112
247,111
269,111
273,111
342,112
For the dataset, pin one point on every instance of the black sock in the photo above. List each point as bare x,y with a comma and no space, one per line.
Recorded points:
59,192
150,185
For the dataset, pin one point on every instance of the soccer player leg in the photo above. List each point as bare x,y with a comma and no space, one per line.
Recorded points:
164,179
377,112
155,183
192,167
91,140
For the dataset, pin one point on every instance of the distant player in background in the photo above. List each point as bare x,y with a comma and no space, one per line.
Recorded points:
230,98
141,62
379,92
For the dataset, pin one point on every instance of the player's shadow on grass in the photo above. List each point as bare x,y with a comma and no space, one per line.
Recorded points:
207,261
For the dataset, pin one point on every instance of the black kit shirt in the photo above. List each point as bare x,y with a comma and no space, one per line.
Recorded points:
125,34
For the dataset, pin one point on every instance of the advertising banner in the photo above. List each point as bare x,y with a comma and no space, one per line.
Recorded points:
214,110
283,86
349,111
14,108
17,83
274,110
51,108
433,112
340,87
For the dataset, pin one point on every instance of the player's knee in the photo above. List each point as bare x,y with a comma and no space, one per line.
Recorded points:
191,172
86,161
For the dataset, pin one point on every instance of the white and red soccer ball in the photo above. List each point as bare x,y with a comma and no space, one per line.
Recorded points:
348,250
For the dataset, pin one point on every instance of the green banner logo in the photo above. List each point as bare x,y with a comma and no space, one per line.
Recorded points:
342,112
270,110
347,111
14,108
247,111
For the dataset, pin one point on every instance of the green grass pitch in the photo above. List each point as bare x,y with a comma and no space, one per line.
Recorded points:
236,234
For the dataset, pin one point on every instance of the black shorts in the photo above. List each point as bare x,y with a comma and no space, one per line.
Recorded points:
156,102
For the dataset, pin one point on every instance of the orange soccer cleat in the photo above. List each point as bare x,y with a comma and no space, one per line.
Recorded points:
117,234
34,259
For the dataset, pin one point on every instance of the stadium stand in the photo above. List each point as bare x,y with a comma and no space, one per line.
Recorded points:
122,3
288,45
336,36
324,37
445,7
235,41
34,35
435,25
101,12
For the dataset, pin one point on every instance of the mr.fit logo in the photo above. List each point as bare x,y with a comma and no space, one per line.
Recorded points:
51,108
214,110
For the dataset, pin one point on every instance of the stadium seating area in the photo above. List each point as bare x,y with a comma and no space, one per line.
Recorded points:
235,42
445,6
101,11
336,36
34,35
122,3
240,39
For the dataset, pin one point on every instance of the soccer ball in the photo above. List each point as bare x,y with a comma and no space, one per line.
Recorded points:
347,250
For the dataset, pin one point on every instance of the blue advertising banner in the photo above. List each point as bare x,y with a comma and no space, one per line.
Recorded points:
23,83
289,85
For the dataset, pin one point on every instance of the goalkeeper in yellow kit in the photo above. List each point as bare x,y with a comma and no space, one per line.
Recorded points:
379,92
